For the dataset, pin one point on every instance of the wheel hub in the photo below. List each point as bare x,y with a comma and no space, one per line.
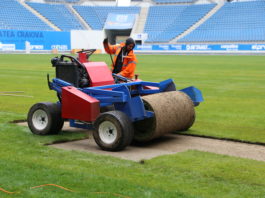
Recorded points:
107,132
40,119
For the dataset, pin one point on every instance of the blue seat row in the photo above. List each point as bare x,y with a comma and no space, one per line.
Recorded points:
164,23
58,14
14,16
238,21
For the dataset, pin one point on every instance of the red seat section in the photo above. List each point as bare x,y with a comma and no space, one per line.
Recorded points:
78,105
99,74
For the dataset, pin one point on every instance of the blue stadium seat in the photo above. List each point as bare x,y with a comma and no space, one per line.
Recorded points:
236,21
14,16
166,22
59,15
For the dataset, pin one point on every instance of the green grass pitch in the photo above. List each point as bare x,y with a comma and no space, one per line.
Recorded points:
234,91
233,88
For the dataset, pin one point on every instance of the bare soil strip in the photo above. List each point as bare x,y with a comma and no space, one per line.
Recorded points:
169,144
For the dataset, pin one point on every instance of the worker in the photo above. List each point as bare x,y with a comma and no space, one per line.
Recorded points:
124,62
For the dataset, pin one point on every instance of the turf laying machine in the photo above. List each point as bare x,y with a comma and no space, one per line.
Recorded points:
118,110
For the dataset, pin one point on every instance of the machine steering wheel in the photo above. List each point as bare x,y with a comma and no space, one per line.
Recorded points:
89,52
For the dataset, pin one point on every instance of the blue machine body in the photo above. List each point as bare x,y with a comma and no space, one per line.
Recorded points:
126,97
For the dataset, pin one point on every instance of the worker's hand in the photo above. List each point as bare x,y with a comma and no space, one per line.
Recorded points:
105,41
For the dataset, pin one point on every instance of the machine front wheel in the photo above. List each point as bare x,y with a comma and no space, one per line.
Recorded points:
113,131
45,118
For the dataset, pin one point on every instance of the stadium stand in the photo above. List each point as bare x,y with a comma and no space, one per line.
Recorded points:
96,16
14,16
58,14
236,21
166,22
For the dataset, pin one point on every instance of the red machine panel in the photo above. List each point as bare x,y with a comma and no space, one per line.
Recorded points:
78,105
82,56
99,74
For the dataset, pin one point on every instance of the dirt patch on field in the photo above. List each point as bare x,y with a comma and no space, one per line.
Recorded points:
169,144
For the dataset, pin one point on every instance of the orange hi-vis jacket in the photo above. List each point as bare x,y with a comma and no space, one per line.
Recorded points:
129,61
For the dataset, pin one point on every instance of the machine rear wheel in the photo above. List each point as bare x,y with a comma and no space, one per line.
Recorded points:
113,131
45,118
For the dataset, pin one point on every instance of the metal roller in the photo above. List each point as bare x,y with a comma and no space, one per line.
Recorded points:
173,111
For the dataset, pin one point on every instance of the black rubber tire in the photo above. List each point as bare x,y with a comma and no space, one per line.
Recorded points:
119,126
45,118
107,108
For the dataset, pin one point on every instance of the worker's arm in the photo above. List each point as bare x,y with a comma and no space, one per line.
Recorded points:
110,49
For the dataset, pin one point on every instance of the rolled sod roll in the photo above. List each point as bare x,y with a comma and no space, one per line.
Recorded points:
173,111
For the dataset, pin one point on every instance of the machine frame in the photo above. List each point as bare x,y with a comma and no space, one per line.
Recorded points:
105,102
